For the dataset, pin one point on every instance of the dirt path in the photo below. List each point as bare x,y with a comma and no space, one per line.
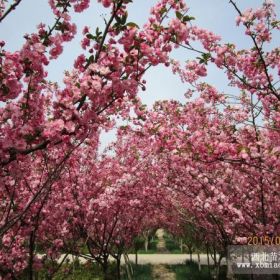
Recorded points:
163,273
161,246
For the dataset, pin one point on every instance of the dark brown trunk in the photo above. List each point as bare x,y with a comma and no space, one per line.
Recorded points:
118,268
105,270
136,257
31,255
208,261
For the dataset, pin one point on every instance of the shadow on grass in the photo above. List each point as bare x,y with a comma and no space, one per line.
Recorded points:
191,271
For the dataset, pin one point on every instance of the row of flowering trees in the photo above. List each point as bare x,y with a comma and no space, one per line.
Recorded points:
56,193
219,153
211,163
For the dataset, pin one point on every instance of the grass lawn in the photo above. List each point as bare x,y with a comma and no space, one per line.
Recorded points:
152,249
93,272
191,272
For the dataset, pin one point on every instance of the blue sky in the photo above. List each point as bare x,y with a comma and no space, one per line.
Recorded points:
215,15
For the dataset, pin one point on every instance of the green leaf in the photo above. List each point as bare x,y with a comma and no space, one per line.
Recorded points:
98,32
118,19
90,36
188,18
132,24
275,23
90,59
156,27
163,10
205,58
179,15
123,19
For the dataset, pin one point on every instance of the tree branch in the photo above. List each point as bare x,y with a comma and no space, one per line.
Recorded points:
11,8
259,50
83,98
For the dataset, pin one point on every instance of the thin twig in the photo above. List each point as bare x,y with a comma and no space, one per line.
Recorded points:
11,8
260,53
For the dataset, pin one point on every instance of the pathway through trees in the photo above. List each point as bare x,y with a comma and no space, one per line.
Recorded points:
160,271
161,246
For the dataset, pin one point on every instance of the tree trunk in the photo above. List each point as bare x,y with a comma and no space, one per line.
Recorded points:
31,255
105,270
128,266
208,261
190,252
118,267
214,256
136,257
218,267
146,244
230,275
198,259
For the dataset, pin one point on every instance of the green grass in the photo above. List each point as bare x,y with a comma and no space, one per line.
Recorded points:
152,249
140,272
191,271
172,246
81,272
92,271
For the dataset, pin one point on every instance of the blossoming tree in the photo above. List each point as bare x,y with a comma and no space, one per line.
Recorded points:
213,163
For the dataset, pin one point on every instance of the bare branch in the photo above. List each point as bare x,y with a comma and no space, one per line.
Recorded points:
11,8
